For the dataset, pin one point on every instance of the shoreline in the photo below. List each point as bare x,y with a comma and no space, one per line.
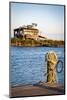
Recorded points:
37,46
36,43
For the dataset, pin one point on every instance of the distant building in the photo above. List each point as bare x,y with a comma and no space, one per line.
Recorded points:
29,31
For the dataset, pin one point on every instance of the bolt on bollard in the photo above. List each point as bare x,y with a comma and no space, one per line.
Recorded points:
52,60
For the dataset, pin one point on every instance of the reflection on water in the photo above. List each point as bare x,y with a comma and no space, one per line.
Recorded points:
28,66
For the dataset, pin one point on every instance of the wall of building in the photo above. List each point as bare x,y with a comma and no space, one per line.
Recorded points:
26,33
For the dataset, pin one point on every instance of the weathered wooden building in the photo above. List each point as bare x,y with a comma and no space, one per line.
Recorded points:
28,31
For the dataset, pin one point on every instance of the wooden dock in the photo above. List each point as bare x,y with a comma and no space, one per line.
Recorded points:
39,89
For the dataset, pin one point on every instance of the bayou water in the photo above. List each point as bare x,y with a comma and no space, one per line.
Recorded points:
28,65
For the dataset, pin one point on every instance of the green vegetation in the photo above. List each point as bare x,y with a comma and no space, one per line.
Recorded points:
32,42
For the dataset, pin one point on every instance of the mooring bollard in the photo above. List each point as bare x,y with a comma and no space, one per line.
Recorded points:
52,59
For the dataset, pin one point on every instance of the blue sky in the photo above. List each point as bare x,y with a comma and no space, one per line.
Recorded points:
50,18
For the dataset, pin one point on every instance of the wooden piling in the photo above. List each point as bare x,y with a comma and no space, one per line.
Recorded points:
51,63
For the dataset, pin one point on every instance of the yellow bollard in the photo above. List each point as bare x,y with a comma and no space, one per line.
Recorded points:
52,59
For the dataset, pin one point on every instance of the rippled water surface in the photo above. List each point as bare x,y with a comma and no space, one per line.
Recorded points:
28,65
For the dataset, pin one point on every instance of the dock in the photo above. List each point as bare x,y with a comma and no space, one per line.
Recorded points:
39,89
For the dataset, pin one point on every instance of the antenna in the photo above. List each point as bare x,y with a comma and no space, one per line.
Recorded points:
34,24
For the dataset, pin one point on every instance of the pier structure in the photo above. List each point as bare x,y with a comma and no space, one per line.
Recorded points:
52,60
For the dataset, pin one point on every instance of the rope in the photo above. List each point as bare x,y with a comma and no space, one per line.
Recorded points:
59,61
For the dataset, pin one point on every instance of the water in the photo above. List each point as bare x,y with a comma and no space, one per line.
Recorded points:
28,65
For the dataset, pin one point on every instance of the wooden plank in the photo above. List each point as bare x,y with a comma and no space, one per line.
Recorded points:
37,90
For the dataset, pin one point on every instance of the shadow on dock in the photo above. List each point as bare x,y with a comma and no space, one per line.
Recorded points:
51,86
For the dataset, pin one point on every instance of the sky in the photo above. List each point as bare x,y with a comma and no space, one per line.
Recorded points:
49,18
